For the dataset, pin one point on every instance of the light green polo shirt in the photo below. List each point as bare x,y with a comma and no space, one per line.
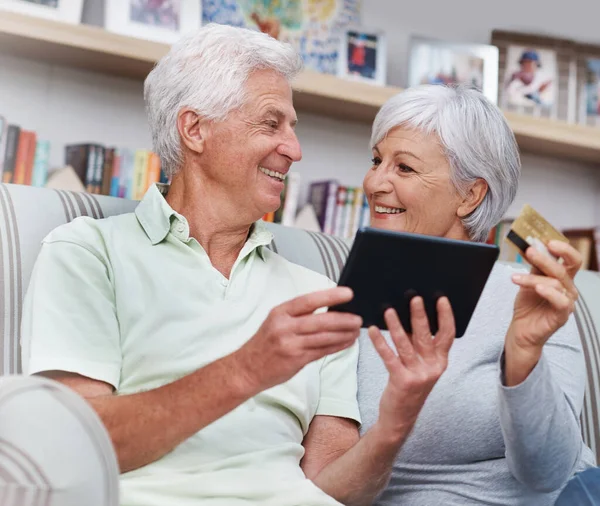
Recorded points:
132,300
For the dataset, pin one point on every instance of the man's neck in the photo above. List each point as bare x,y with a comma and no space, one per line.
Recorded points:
222,241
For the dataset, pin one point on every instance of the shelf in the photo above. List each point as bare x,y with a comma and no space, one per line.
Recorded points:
556,138
329,95
80,46
92,48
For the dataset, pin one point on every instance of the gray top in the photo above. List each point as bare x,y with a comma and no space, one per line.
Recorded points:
476,441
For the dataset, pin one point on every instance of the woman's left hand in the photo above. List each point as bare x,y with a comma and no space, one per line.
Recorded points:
546,298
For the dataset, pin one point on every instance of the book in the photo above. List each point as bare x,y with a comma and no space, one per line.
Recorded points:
331,209
140,173
30,160
97,171
153,170
322,195
82,157
116,171
365,216
24,158
292,195
340,211
107,171
13,134
126,174
357,210
346,228
41,163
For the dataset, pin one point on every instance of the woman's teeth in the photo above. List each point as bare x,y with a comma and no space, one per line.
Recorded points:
272,173
388,210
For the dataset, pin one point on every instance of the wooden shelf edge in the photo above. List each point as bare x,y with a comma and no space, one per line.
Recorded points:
93,48
82,37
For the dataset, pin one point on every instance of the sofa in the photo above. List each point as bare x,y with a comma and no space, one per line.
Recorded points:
27,214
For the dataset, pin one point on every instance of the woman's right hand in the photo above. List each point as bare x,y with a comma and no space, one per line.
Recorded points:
418,361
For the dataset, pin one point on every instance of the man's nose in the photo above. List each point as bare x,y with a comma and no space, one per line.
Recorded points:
291,148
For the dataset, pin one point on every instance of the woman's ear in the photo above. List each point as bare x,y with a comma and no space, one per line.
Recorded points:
192,130
475,195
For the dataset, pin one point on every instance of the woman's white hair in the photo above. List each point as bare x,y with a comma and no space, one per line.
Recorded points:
206,70
475,136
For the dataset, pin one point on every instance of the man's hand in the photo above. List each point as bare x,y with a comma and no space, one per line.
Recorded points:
420,361
292,336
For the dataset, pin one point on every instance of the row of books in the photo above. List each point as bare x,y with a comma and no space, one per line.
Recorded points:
586,241
286,214
341,210
23,157
118,172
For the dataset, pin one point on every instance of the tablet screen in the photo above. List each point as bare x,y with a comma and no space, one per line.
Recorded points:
387,269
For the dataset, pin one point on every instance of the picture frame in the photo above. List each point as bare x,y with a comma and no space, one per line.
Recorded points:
588,84
67,11
537,75
436,61
362,56
163,21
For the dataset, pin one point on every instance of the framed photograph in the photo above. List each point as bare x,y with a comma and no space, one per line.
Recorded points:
362,56
537,75
433,61
588,78
68,11
157,20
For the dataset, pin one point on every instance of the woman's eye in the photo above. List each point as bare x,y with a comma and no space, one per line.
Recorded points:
405,168
376,160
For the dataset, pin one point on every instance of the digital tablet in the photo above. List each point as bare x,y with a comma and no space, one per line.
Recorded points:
387,269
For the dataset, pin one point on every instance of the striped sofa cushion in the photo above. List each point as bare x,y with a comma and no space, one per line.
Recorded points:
319,252
28,214
587,316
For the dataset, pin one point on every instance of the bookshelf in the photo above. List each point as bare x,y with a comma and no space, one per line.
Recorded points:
92,48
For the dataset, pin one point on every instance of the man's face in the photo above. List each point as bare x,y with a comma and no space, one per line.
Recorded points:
528,66
247,156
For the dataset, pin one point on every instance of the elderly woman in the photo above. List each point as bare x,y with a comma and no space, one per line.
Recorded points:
501,425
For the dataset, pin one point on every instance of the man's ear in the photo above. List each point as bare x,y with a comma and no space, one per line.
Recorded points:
192,130
475,195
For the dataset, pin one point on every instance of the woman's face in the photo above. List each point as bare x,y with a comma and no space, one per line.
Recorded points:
409,187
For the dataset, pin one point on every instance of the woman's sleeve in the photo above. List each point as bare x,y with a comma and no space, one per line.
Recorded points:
540,416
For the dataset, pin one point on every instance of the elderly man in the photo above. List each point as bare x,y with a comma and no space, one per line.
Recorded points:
203,351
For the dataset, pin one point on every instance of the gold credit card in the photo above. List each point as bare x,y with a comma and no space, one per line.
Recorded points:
531,229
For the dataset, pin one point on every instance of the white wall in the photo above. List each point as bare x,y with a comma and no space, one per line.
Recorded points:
66,105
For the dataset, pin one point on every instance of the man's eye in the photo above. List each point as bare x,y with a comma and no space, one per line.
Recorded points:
272,124
376,160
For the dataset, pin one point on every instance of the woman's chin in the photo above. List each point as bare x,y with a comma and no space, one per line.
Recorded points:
394,222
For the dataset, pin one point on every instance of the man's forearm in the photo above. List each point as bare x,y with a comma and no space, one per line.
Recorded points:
146,426
358,476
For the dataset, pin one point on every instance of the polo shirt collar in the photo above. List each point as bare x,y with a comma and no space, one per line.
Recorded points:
155,216
154,213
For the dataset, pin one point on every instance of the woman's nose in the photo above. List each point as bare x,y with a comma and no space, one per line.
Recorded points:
381,181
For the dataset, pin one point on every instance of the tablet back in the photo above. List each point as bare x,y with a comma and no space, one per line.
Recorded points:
387,269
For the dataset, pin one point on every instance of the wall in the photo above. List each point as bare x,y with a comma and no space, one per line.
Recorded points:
66,105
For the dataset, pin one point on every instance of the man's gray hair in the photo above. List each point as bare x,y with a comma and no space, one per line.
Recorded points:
477,141
206,70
